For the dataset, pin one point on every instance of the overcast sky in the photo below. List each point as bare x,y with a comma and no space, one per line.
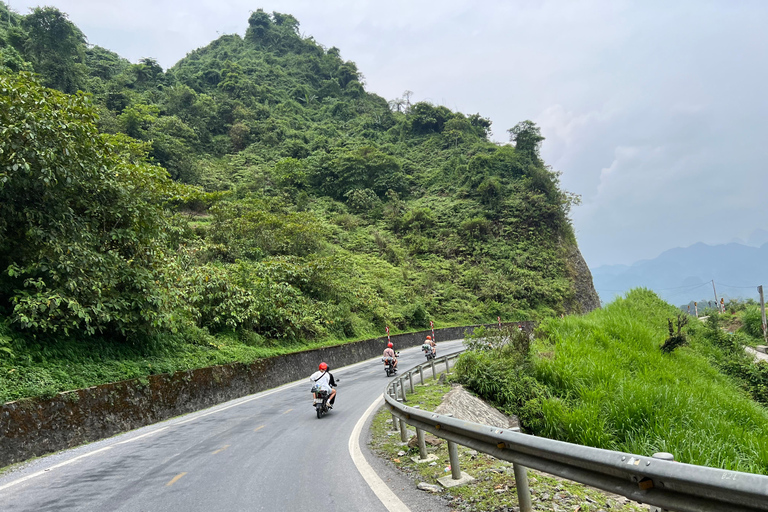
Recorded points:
655,112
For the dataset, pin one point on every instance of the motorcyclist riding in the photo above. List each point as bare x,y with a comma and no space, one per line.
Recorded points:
433,344
389,352
324,379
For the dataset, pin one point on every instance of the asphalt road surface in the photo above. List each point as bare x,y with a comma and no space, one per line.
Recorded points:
266,451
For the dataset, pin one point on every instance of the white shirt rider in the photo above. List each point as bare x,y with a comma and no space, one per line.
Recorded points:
323,378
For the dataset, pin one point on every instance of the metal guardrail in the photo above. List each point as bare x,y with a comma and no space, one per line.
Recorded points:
657,480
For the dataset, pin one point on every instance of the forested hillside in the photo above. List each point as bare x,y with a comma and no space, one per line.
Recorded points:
255,194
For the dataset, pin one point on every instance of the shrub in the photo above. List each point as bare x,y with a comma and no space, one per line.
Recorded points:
83,230
502,378
752,322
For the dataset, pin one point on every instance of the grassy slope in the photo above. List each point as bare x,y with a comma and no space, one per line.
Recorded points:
612,387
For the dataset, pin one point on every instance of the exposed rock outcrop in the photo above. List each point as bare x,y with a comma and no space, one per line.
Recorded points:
463,405
585,296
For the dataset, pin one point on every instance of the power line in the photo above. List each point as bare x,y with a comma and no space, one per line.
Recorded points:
744,287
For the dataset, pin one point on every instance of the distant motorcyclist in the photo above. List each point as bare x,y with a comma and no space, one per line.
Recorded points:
432,343
323,378
389,352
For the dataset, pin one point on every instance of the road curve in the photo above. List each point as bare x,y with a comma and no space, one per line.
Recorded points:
266,451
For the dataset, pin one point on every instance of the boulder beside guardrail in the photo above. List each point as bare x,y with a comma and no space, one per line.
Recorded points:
655,480
37,426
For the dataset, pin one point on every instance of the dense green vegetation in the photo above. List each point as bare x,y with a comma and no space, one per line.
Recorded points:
255,197
602,380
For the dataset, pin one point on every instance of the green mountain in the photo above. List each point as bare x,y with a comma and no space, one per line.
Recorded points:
296,206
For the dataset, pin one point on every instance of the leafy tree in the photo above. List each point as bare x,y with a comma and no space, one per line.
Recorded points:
148,72
481,124
366,167
259,24
137,120
426,118
12,60
56,48
527,138
104,64
83,231
172,147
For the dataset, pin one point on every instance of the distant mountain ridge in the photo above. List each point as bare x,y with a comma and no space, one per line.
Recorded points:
684,274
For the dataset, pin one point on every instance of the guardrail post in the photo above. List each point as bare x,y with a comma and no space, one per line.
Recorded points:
410,380
402,388
521,483
434,373
662,456
403,431
421,374
422,444
453,456
447,367
391,392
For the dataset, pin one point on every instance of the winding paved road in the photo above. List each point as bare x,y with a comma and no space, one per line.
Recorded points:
266,451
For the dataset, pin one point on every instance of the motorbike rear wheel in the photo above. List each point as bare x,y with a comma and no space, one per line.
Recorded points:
319,409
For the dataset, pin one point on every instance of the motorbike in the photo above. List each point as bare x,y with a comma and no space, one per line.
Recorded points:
389,364
321,400
427,349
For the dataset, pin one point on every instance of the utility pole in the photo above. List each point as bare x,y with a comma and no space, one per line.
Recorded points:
713,289
762,310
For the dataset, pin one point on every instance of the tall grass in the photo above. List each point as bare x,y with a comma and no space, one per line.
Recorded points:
752,322
612,387
601,380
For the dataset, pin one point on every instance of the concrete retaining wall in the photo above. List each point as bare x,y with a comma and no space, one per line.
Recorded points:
34,427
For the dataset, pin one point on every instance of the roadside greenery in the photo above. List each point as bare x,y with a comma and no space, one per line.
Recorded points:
752,322
601,380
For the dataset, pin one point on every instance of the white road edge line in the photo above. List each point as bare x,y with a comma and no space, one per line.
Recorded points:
141,436
388,498
70,461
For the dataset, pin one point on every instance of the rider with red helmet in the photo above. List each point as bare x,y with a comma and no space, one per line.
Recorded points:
322,377
432,343
389,352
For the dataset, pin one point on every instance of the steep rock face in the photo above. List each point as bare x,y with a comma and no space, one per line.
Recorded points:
585,296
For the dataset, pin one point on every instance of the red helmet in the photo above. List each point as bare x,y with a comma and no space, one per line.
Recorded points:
389,345
429,337
323,366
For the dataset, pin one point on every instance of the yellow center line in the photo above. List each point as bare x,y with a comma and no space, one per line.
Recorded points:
221,449
175,479
289,410
258,428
